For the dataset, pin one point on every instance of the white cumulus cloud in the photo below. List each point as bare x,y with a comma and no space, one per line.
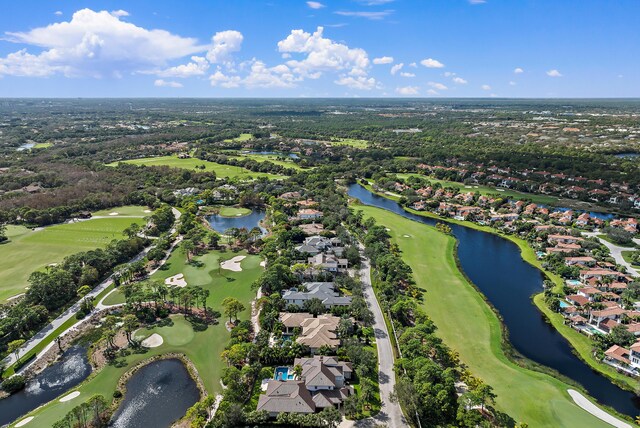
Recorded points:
518,70
94,44
438,86
362,83
315,5
407,90
396,68
167,83
383,60
486,87
554,73
197,67
459,81
223,44
431,63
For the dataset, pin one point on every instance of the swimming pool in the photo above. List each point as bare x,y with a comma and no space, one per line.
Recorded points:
564,304
283,373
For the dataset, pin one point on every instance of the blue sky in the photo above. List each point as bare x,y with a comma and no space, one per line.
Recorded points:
325,48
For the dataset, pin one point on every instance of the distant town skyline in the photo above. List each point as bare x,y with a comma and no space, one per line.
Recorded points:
351,48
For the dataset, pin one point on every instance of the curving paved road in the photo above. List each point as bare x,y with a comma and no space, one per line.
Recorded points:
390,414
616,253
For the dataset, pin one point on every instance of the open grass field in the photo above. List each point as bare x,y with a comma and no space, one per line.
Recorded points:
351,142
467,324
30,250
203,348
42,145
242,137
278,160
191,163
486,190
125,211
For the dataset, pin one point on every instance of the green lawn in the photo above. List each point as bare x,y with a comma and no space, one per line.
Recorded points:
351,142
626,255
467,324
191,163
203,348
31,250
42,145
128,211
234,211
278,160
487,190
242,137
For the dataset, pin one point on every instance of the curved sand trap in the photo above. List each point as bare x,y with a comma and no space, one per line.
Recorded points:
68,397
147,211
24,421
17,296
233,264
176,280
263,263
114,213
153,341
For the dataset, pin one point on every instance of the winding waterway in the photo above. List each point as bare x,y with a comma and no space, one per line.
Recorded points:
157,395
72,369
495,266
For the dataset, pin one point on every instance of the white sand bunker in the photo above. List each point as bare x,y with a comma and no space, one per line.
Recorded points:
263,263
71,396
147,211
24,421
233,264
114,213
153,341
407,236
17,296
176,280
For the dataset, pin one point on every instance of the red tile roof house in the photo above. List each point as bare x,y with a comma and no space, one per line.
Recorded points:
596,317
309,214
577,299
599,274
619,358
580,261
564,239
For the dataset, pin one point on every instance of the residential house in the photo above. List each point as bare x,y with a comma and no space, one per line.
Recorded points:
290,396
325,291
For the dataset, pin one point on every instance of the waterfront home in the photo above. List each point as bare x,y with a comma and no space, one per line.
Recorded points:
585,261
620,358
577,299
596,317
589,292
600,274
324,291
564,239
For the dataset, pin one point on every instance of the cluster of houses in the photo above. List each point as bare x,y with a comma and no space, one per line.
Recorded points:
545,182
318,382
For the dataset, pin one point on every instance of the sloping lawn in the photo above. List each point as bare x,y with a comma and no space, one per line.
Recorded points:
467,324
31,250
191,164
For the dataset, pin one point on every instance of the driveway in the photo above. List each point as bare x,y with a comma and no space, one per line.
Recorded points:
390,414
616,253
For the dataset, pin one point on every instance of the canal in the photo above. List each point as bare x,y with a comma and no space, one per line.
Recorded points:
495,266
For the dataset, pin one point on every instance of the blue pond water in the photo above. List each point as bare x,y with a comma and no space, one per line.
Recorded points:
53,381
495,266
221,224
157,395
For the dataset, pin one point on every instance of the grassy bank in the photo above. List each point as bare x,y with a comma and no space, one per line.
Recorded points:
195,164
30,250
468,325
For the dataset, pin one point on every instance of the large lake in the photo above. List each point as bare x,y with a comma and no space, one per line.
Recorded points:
495,266
220,223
